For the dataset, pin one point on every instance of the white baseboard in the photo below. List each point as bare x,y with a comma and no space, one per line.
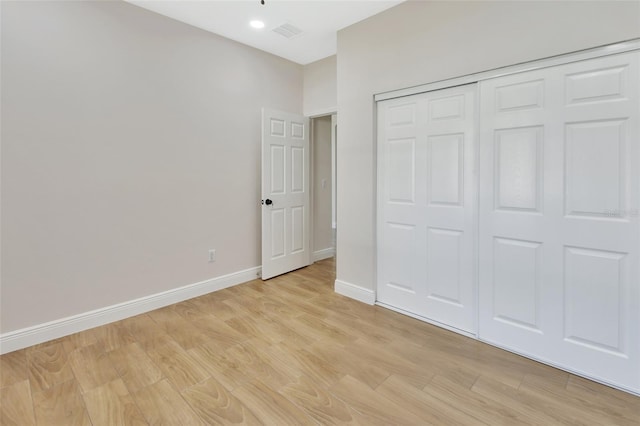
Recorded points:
40,333
324,254
355,292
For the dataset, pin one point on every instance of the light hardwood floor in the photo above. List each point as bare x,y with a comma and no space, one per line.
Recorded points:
290,352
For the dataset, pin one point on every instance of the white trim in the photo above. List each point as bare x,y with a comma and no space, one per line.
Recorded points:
334,140
322,112
596,52
312,179
323,254
356,292
40,333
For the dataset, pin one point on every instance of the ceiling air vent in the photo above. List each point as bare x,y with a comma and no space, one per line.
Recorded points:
287,30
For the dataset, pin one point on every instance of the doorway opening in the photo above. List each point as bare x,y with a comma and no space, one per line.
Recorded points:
323,187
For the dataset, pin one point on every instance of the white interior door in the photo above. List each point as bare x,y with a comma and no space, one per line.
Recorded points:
427,207
285,193
559,216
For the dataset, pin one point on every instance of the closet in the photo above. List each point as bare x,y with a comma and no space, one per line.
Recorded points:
509,210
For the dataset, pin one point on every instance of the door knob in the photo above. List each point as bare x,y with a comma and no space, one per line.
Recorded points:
268,202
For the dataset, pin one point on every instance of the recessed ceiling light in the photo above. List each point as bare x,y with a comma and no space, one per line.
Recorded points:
257,24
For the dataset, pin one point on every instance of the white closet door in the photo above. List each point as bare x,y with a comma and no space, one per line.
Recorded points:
560,216
427,206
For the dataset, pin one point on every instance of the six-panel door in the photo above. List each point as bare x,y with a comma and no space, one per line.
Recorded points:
427,207
285,192
559,216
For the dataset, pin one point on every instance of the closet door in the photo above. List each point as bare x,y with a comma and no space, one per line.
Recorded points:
426,206
559,216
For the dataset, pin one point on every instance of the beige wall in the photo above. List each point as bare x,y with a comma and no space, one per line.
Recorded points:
130,146
320,90
322,231
421,42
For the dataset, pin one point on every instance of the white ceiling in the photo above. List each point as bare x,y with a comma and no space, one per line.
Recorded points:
319,21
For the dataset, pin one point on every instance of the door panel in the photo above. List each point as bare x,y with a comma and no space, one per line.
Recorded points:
298,169
427,207
277,232
559,225
593,291
444,255
297,229
285,183
516,285
518,180
277,169
400,179
594,168
445,169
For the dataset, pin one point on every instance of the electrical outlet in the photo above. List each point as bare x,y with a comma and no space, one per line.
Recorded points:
212,255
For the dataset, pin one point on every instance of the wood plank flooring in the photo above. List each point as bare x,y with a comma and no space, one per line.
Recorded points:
290,352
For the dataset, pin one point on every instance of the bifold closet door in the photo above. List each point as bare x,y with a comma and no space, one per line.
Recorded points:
559,234
427,206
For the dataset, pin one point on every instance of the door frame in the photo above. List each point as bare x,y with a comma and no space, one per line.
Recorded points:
332,113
